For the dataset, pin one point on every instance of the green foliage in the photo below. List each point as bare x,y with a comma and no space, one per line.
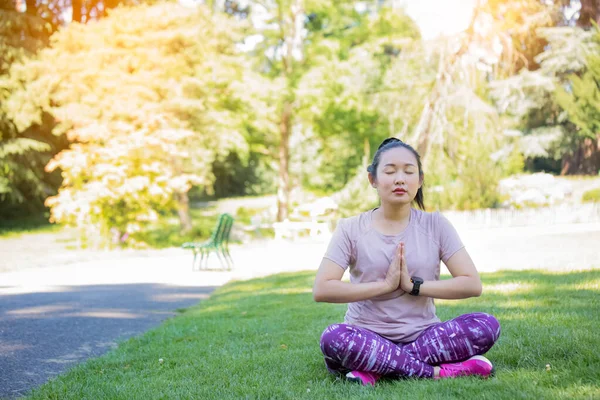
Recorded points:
514,164
463,175
35,223
166,231
238,177
150,112
581,100
542,104
339,96
591,196
156,100
357,196
23,154
515,24
255,324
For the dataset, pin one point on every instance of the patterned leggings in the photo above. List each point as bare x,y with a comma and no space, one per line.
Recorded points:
352,348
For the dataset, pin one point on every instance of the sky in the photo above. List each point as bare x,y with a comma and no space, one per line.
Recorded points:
439,17
434,17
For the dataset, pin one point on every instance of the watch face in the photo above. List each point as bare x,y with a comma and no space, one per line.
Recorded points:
416,279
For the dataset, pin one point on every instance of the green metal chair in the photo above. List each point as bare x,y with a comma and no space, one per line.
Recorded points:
218,243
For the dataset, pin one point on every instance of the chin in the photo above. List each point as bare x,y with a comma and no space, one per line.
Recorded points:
398,201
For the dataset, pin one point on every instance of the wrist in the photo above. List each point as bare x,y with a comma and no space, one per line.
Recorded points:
406,285
385,287
415,285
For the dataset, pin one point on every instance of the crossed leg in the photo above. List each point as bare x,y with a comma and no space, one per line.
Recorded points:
352,348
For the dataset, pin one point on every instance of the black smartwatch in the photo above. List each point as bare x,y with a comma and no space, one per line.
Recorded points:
416,285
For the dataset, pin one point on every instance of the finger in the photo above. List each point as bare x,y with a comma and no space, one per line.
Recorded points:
403,257
402,251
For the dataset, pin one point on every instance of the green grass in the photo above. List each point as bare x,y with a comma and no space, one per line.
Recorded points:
591,196
32,224
259,339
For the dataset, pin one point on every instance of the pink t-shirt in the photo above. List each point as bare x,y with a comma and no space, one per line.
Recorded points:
397,316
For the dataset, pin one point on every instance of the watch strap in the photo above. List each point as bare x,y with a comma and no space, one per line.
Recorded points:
416,286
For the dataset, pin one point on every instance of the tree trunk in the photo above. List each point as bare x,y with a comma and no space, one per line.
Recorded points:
589,13
31,7
76,6
109,5
424,129
183,210
290,28
366,153
10,5
585,160
283,187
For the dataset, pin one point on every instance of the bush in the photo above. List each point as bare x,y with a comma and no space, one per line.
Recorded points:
167,232
468,185
357,196
591,196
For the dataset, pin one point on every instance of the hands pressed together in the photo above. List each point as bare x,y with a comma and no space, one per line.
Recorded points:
397,276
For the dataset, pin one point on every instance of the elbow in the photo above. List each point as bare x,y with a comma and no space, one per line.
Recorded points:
477,289
318,295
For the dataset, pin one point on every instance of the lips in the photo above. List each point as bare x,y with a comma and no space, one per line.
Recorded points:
399,191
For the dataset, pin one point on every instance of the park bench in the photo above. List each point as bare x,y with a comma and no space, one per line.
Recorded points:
218,243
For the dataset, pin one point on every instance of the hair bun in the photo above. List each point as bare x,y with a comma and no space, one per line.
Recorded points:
389,140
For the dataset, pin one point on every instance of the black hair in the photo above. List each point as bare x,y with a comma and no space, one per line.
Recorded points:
392,143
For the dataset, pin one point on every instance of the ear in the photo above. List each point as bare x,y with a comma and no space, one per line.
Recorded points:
421,180
372,180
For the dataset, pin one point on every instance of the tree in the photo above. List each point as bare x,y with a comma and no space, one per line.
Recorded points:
146,97
534,102
301,41
25,27
22,154
342,97
581,101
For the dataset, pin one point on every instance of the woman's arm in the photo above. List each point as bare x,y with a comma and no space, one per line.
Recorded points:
465,281
329,288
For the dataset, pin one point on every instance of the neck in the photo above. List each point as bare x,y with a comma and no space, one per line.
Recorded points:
398,213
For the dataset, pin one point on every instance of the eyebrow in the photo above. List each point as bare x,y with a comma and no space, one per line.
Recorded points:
393,165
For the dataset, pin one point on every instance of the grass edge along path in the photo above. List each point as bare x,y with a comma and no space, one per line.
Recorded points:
258,339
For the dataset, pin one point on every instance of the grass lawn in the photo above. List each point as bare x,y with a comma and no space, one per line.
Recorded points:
259,339
32,224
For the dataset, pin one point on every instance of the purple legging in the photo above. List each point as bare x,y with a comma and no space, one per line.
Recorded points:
352,348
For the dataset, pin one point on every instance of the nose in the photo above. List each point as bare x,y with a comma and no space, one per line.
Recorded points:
399,178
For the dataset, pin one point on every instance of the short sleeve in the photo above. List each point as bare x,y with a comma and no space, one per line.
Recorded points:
450,242
340,248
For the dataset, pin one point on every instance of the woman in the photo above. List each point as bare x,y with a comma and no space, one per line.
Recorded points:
394,254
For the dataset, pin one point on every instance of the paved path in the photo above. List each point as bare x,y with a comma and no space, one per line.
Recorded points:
53,316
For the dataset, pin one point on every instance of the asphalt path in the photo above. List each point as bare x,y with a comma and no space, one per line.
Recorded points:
43,334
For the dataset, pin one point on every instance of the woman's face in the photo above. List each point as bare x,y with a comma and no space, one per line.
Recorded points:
398,177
